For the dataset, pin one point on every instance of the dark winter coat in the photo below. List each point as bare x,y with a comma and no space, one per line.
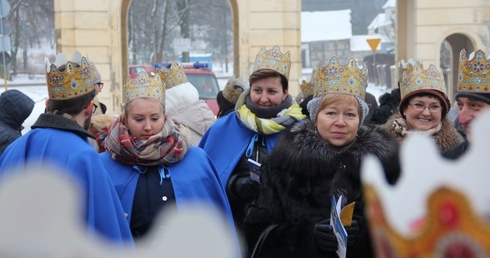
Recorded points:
445,139
15,108
457,151
388,105
300,176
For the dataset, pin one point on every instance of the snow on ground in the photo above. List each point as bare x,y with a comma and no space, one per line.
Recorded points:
39,94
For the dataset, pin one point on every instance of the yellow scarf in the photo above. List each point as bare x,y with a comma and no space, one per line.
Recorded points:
268,126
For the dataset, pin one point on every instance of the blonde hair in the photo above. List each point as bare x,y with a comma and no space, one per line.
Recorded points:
102,122
329,99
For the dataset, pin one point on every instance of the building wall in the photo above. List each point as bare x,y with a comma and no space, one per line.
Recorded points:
98,28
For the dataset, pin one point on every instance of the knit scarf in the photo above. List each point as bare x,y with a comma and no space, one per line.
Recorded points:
164,148
285,114
400,126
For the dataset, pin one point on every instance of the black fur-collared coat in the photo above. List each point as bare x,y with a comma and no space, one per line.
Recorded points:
297,182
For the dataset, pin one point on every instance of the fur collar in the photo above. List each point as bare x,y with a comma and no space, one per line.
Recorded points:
445,139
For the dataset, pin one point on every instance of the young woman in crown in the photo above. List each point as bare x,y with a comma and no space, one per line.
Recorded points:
423,107
241,140
152,164
316,160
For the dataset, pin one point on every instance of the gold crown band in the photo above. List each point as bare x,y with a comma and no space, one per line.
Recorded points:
172,76
337,78
273,59
144,85
69,79
415,78
473,73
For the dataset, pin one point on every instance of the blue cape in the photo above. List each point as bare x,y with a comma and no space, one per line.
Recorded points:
194,180
226,142
73,154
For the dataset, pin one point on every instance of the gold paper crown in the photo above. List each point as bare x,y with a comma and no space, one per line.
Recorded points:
307,88
473,73
172,76
273,59
68,79
415,78
336,78
452,229
144,85
233,89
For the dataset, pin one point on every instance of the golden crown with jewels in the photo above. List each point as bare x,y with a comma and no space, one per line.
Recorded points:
448,213
273,59
172,76
144,85
233,89
68,79
473,72
307,88
337,78
415,78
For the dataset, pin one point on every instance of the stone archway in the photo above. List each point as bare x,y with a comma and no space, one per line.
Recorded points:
99,29
456,42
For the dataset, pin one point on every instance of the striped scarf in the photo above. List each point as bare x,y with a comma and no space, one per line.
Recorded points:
167,147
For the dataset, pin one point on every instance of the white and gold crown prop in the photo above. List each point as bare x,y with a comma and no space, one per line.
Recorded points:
172,76
415,78
337,78
438,208
68,79
144,85
273,59
473,72
233,89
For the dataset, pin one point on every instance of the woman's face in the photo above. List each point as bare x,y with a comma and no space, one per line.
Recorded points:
144,117
423,113
267,92
338,123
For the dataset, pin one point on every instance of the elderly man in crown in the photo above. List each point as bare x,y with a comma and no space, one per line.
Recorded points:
59,138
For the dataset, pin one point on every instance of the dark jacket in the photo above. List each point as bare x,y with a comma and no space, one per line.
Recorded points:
457,151
298,181
388,105
15,108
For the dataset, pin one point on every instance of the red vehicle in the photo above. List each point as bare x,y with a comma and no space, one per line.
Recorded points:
135,69
204,80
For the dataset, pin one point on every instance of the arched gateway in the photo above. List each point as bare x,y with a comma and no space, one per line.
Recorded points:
98,27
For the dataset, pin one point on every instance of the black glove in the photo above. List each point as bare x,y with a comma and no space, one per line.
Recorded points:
352,233
245,188
325,239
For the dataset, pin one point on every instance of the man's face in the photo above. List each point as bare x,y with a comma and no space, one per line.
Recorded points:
469,109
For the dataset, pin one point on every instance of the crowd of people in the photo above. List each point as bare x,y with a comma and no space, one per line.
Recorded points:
269,165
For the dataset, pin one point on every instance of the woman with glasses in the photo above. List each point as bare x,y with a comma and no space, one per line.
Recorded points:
423,107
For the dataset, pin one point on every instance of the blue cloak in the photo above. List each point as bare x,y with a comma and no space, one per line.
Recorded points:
226,142
72,153
194,181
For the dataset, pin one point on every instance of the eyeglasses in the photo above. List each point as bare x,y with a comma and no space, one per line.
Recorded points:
421,107
100,84
94,108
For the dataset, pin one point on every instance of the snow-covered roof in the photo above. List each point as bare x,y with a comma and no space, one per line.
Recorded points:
389,4
326,25
359,43
380,20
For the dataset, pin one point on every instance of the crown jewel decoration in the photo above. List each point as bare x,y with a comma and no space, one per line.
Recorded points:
415,78
68,79
233,89
144,85
172,76
473,73
337,78
273,59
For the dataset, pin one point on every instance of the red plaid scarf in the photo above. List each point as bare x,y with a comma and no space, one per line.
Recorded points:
165,148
